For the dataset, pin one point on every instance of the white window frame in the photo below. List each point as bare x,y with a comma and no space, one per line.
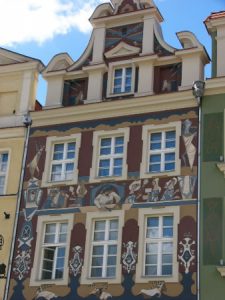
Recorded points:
143,214
6,173
51,141
35,279
86,271
111,74
97,136
146,132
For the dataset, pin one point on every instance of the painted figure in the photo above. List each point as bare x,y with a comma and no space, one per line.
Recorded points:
55,199
187,254
107,198
188,136
33,165
157,291
154,192
40,294
187,186
102,295
170,192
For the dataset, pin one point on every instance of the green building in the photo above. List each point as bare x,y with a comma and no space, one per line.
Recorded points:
212,208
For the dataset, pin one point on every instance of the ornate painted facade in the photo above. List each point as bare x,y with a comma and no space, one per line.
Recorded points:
18,80
110,192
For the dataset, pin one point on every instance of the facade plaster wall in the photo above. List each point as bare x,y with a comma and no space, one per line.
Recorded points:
212,199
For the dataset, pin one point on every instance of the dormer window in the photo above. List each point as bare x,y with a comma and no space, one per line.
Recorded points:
122,82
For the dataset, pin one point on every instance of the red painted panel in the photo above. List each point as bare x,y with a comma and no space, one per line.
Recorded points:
85,154
134,151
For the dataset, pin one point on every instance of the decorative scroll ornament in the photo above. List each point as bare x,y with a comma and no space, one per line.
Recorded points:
22,264
129,258
26,235
76,262
187,254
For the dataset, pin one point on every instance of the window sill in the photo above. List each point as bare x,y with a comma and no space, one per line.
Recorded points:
60,182
49,282
159,174
146,279
111,95
107,179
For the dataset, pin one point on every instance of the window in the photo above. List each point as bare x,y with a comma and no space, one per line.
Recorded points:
61,160
4,157
109,154
103,247
158,235
52,250
62,164
159,246
161,149
122,80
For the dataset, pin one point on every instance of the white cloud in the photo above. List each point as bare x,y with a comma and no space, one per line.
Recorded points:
39,20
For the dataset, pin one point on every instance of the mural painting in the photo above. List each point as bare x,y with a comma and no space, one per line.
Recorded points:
105,197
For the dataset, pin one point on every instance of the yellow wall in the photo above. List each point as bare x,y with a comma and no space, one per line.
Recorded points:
13,141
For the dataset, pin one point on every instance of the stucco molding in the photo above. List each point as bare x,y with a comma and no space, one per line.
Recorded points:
126,107
122,49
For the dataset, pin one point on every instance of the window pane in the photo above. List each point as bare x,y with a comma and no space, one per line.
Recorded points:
170,156
171,135
5,157
117,171
156,137
153,222
118,72
151,259
59,274
98,250
118,162
167,248
113,235
99,236
111,272
167,270
100,225
62,238
111,260
168,221
71,146
167,232
46,275
151,270
152,248
97,261
103,172
105,151
154,168
96,272
104,163
155,158
58,147
112,249
113,224
169,166
50,228
106,142
117,90
167,259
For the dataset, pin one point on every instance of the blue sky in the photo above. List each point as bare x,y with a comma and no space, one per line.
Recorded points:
43,28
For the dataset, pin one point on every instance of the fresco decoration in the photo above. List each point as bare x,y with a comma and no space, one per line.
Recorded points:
76,196
130,34
129,257
101,292
33,164
44,295
22,264
75,264
107,196
26,236
56,198
187,186
32,195
187,253
188,134
156,289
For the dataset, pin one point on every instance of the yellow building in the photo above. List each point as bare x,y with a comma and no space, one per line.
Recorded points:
18,81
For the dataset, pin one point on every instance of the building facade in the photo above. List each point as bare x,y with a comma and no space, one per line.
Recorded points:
110,193
212,269
18,80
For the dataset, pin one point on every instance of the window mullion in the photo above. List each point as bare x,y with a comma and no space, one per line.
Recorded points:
123,79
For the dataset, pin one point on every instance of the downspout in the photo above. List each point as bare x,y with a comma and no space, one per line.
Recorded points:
27,123
198,91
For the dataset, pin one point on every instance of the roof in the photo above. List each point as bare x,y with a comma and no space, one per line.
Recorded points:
215,15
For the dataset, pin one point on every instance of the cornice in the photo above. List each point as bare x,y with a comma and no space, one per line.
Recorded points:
215,86
24,66
117,108
13,132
